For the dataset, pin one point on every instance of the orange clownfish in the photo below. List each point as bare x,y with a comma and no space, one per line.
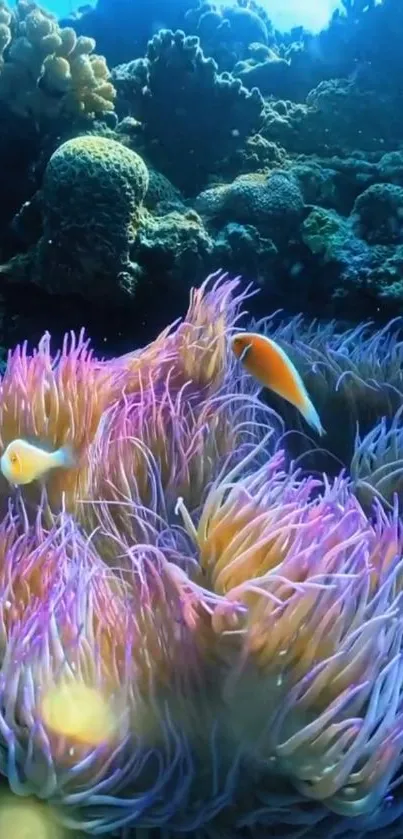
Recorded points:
272,368
23,462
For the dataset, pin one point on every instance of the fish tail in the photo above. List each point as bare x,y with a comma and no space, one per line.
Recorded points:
65,457
312,417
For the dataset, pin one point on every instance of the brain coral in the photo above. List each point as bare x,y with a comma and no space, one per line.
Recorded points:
378,214
92,195
46,71
273,203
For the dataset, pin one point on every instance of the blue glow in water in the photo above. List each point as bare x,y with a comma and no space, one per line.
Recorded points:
60,8
313,14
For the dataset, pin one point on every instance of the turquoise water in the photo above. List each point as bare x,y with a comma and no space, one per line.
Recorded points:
314,14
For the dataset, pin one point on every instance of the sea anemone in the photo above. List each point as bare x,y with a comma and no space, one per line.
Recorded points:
233,623
140,649
377,464
189,413
320,634
164,403
56,400
352,373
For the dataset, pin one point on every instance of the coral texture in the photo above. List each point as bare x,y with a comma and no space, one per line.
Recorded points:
93,192
191,116
47,71
273,204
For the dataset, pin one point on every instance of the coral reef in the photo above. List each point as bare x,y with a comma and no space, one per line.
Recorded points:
338,116
273,204
226,32
93,191
47,71
122,29
201,616
174,246
379,214
205,94
191,116
52,86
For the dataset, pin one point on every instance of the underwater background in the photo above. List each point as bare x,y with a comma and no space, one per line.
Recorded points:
201,401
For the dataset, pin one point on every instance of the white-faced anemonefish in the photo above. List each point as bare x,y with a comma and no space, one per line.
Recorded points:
272,368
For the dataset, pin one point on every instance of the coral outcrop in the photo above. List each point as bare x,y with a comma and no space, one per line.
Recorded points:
191,117
323,125
93,192
273,203
47,71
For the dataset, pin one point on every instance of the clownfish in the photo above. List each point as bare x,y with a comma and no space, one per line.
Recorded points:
272,368
23,462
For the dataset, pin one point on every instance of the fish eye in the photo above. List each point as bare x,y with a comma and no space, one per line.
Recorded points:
13,459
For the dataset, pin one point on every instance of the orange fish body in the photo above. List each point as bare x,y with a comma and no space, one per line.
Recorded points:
272,368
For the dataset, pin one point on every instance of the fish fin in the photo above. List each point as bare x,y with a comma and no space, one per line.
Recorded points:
244,352
312,417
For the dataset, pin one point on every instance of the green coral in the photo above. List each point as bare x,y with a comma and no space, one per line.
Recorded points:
378,214
271,202
325,233
175,246
160,192
92,199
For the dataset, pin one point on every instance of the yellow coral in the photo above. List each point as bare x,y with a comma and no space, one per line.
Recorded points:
57,72
37,27
48,71
69,39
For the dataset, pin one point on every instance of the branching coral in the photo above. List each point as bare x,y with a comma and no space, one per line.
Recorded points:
188,111
48,72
